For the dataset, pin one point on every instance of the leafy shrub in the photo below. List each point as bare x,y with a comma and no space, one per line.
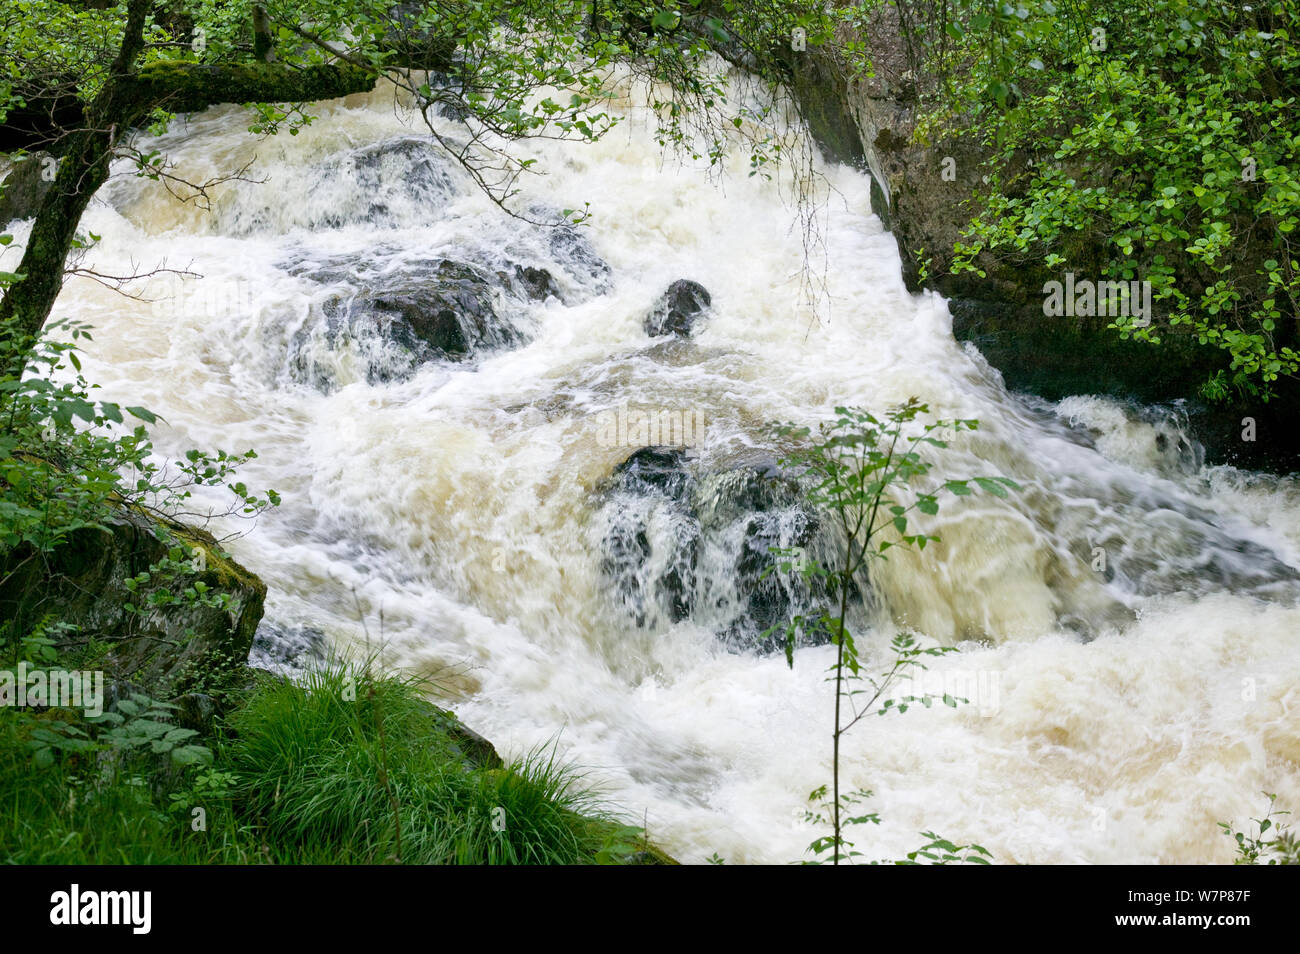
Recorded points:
1153,143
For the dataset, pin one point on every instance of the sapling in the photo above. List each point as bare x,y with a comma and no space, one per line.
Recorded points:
860,471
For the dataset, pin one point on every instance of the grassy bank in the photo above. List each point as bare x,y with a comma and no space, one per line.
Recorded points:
346,768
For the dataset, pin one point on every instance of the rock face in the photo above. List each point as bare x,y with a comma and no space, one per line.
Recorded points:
919,190
683,543
175,647
23,189
679,308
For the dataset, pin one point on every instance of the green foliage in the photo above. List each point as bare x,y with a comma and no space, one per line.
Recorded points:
1283,848
862,473
940,851
302,774
68,461
138,725
316,768
514,70
1161,136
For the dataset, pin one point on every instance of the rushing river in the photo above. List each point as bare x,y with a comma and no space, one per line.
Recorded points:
1127,622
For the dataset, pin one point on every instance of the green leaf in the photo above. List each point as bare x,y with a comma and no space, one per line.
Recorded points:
666,20
992,486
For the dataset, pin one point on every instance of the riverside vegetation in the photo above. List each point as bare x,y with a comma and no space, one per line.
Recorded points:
858,470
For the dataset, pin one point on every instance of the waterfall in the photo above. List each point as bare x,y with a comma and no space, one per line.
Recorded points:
1127,622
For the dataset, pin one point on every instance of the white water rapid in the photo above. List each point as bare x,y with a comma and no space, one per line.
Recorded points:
1117,713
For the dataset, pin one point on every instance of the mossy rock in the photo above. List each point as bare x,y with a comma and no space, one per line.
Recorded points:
174,645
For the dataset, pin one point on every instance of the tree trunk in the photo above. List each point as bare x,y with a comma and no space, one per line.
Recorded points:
82,170
263,45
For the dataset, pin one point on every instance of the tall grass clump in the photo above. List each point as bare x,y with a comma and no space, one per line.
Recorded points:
358,765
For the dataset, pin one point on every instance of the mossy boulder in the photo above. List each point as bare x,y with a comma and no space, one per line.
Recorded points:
193,629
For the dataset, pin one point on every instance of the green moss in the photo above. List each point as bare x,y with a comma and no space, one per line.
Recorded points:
188,87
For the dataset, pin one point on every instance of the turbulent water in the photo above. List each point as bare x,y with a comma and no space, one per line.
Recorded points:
1127,621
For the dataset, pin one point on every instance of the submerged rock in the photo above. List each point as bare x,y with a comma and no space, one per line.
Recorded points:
678,310
398,183
396,317
276,645
575,253
654,587
682,543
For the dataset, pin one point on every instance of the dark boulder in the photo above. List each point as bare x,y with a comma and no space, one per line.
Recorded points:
398,315
536,283
682,542
678,310
449,315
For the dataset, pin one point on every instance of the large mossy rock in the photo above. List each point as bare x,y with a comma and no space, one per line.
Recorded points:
175,647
